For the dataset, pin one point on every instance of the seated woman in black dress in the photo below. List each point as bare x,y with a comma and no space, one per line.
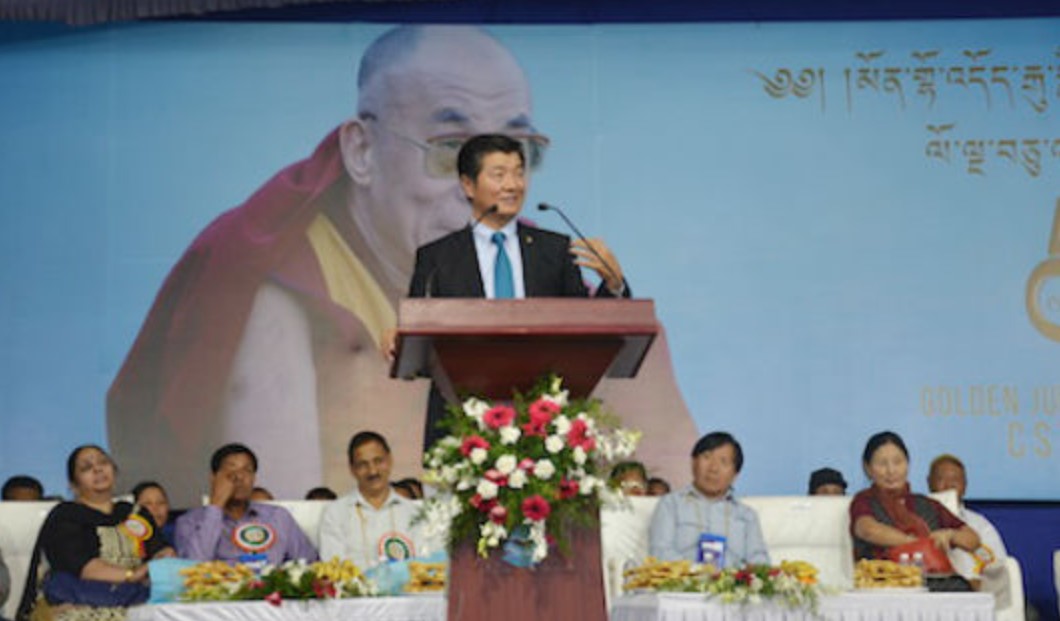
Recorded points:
888,514
97,549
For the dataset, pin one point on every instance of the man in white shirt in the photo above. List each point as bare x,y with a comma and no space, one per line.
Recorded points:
985,568
372,524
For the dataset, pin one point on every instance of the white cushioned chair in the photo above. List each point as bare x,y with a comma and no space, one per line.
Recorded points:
19,523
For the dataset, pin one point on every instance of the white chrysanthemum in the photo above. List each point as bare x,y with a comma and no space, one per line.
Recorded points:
540,541
296,572
448,475
487,489
627,442
544,469
493,533
517,479
553,444
510,434
559,397
561,424
579,455
506,464
605,447
476,408
589,484
464,484
478,455
437,514
432,478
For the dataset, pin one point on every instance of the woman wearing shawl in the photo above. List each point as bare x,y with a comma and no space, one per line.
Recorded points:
887,514
97,549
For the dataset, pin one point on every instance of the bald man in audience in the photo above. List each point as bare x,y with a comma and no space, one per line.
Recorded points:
985,568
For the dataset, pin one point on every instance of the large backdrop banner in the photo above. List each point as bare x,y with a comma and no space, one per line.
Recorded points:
846,227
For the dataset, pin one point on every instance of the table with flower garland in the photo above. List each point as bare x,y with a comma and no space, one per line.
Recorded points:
852,606
426,607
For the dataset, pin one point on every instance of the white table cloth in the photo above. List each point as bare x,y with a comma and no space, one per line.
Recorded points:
643,607
409,608
855,606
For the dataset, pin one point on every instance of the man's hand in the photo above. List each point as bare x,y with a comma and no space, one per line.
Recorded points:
388,344
608,269
943,538
140,574
166,552
222,486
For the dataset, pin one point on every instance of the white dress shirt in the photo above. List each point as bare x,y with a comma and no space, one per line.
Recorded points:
351,528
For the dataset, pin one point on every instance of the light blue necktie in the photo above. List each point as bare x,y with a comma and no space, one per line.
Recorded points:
502,270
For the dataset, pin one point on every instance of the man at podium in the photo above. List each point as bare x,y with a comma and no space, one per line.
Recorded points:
496,256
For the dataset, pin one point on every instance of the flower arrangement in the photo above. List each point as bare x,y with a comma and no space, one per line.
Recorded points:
219,581
792,584
520,473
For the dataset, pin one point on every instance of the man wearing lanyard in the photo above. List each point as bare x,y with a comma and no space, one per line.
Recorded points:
234,528
372,524
703,521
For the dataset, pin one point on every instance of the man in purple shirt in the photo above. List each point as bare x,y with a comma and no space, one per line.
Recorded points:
232,527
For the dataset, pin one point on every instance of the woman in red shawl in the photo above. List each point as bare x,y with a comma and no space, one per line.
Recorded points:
887,514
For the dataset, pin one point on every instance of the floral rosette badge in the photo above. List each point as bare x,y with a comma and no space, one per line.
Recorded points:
517,475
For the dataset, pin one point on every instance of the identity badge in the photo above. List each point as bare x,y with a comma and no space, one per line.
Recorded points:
711,550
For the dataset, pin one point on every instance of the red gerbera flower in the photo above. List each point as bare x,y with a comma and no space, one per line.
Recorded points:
485,506
473,442
541,413
498,416
543,408
323,589
536,508
495,476
567,489
499,514
579,436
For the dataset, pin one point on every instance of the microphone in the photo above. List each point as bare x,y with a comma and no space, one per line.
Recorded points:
492,209
581,236
429,285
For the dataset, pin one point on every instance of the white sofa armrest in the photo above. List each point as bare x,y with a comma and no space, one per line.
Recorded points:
19,523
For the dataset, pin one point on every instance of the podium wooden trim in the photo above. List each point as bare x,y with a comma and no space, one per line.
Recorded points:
491,347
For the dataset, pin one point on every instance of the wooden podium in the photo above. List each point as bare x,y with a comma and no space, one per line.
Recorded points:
490,348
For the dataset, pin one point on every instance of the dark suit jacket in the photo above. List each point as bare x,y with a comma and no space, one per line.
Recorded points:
448,267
